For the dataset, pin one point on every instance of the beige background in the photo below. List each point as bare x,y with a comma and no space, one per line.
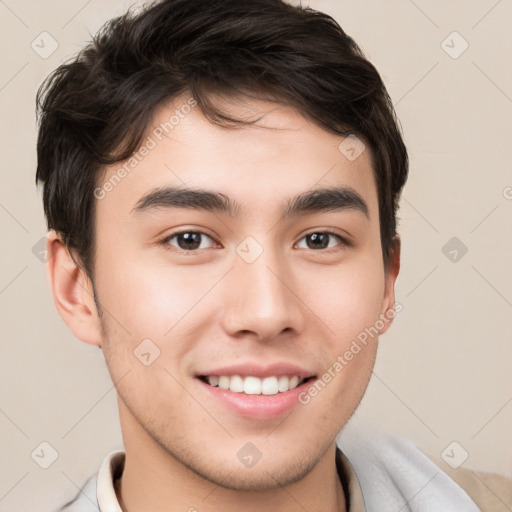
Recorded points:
444,369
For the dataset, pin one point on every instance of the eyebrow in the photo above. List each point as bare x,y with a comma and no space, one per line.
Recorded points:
315,200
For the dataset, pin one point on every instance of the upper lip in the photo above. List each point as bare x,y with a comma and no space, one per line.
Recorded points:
261,371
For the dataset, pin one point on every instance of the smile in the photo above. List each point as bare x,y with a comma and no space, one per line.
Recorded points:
252,385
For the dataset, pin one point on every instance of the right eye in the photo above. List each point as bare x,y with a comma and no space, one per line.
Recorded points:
188,241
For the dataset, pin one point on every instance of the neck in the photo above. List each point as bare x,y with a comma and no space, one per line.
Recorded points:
153,479
137,491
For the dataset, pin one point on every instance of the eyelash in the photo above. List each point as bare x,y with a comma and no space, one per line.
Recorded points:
165,241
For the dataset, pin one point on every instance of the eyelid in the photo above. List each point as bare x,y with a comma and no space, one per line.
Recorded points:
165,240
344,241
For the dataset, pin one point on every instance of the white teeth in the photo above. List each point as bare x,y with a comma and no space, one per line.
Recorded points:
294,382
213,381
237,384
224,382
283,384
254,385
269,386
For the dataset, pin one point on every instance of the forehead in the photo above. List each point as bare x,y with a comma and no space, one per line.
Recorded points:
259,165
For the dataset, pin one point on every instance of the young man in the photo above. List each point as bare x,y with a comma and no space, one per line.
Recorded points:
221,181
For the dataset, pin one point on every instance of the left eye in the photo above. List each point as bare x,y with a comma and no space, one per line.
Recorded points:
189,240
321,240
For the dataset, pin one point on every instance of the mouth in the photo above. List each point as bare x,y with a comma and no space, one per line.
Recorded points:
254,390
263,398
252,385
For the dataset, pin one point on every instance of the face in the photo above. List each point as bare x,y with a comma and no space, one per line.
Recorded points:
223,314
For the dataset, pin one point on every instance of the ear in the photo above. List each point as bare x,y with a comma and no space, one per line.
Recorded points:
72,292
389,310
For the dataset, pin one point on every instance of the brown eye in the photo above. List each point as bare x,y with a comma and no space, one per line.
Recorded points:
189,240
321,240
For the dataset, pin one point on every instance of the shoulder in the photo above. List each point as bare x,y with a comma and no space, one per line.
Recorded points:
84,500
490,491
99,489
393,472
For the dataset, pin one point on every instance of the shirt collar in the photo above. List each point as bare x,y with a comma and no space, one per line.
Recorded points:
111,470
113,466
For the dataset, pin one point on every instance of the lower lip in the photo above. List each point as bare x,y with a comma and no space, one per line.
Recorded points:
261,407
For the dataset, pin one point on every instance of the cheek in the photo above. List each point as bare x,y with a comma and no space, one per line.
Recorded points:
350,302
146,301
146,310
171,305
348,299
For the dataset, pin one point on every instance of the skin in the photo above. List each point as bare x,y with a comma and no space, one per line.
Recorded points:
210,308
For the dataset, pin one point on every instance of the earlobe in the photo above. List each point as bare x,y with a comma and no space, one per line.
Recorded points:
72,292
391,273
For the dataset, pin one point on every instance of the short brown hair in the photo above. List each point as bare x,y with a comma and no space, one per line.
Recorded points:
94,110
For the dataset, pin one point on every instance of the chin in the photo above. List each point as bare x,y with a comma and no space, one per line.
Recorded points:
266,477
260,474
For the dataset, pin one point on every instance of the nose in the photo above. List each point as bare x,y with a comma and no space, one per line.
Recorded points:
261,299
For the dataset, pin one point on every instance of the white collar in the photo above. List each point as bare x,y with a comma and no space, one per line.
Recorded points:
385,473
110,470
